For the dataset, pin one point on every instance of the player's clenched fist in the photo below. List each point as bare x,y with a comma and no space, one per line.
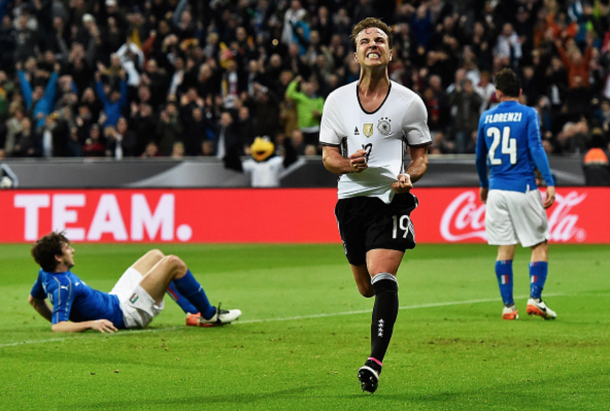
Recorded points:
403,185
357,161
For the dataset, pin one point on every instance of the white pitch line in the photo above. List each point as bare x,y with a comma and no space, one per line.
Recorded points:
404,307
302,317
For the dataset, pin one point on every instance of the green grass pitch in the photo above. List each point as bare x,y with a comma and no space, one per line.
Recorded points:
304,333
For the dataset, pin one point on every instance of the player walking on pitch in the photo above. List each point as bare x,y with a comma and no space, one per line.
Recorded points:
509,142
366,128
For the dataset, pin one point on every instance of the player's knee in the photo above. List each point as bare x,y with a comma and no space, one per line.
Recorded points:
156,254
175,264
366,290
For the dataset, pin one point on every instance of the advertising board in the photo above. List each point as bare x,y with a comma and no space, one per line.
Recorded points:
445,215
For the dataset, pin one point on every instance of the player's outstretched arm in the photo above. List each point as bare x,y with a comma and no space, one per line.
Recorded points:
102,326
41,307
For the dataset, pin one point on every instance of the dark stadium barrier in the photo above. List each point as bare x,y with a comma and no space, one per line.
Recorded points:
443,171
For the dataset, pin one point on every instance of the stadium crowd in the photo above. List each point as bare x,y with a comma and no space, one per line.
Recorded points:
129,78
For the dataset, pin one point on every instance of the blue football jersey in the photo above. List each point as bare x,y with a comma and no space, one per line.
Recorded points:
509,143
74,300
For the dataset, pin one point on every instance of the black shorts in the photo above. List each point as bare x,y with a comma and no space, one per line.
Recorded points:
367,223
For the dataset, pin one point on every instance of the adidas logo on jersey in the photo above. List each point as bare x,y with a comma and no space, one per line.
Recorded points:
356,132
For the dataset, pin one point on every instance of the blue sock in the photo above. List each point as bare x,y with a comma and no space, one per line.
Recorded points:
538,272
504,272
181,300
193,291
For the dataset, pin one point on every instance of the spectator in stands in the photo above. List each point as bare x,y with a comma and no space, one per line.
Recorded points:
232,84
28,143
6,89
113,105
169,129
228,138
486,90
208,81
178,150
167,54
151,150
467,104
198,129
294,14
144,125
440,145
8,36
207,148
13,125
26,39
55,135
265,109
95,143
309,107
595,163
120,140
39,101
245,125
156,82
576,64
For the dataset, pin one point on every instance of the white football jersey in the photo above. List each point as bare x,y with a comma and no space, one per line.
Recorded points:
401,120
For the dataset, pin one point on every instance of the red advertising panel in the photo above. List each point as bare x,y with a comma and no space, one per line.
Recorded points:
447,215
580,215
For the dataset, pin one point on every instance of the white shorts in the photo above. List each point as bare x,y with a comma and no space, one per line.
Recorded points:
512,217
137,305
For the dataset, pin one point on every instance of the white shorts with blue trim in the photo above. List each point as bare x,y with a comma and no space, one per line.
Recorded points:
513,217
138,307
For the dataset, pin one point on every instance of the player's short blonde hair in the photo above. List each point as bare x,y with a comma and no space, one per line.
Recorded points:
368,23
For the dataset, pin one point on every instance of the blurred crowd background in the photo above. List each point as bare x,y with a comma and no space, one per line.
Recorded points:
129,78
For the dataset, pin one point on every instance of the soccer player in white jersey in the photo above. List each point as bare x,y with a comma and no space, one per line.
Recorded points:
367,127
133,302
509,143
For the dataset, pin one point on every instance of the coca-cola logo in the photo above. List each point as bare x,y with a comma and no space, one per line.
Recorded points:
464,219
562,223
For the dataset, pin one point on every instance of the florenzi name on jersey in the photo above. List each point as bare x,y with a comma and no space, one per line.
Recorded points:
503,117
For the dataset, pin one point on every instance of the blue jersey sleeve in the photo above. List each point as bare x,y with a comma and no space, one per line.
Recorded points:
38,290
537,150
62,296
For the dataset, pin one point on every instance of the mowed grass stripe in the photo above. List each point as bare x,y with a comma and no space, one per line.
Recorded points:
301,317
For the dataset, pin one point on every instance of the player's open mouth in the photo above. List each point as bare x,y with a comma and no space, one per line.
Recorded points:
373,55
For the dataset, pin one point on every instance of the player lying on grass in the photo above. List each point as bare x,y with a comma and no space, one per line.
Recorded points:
133,302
